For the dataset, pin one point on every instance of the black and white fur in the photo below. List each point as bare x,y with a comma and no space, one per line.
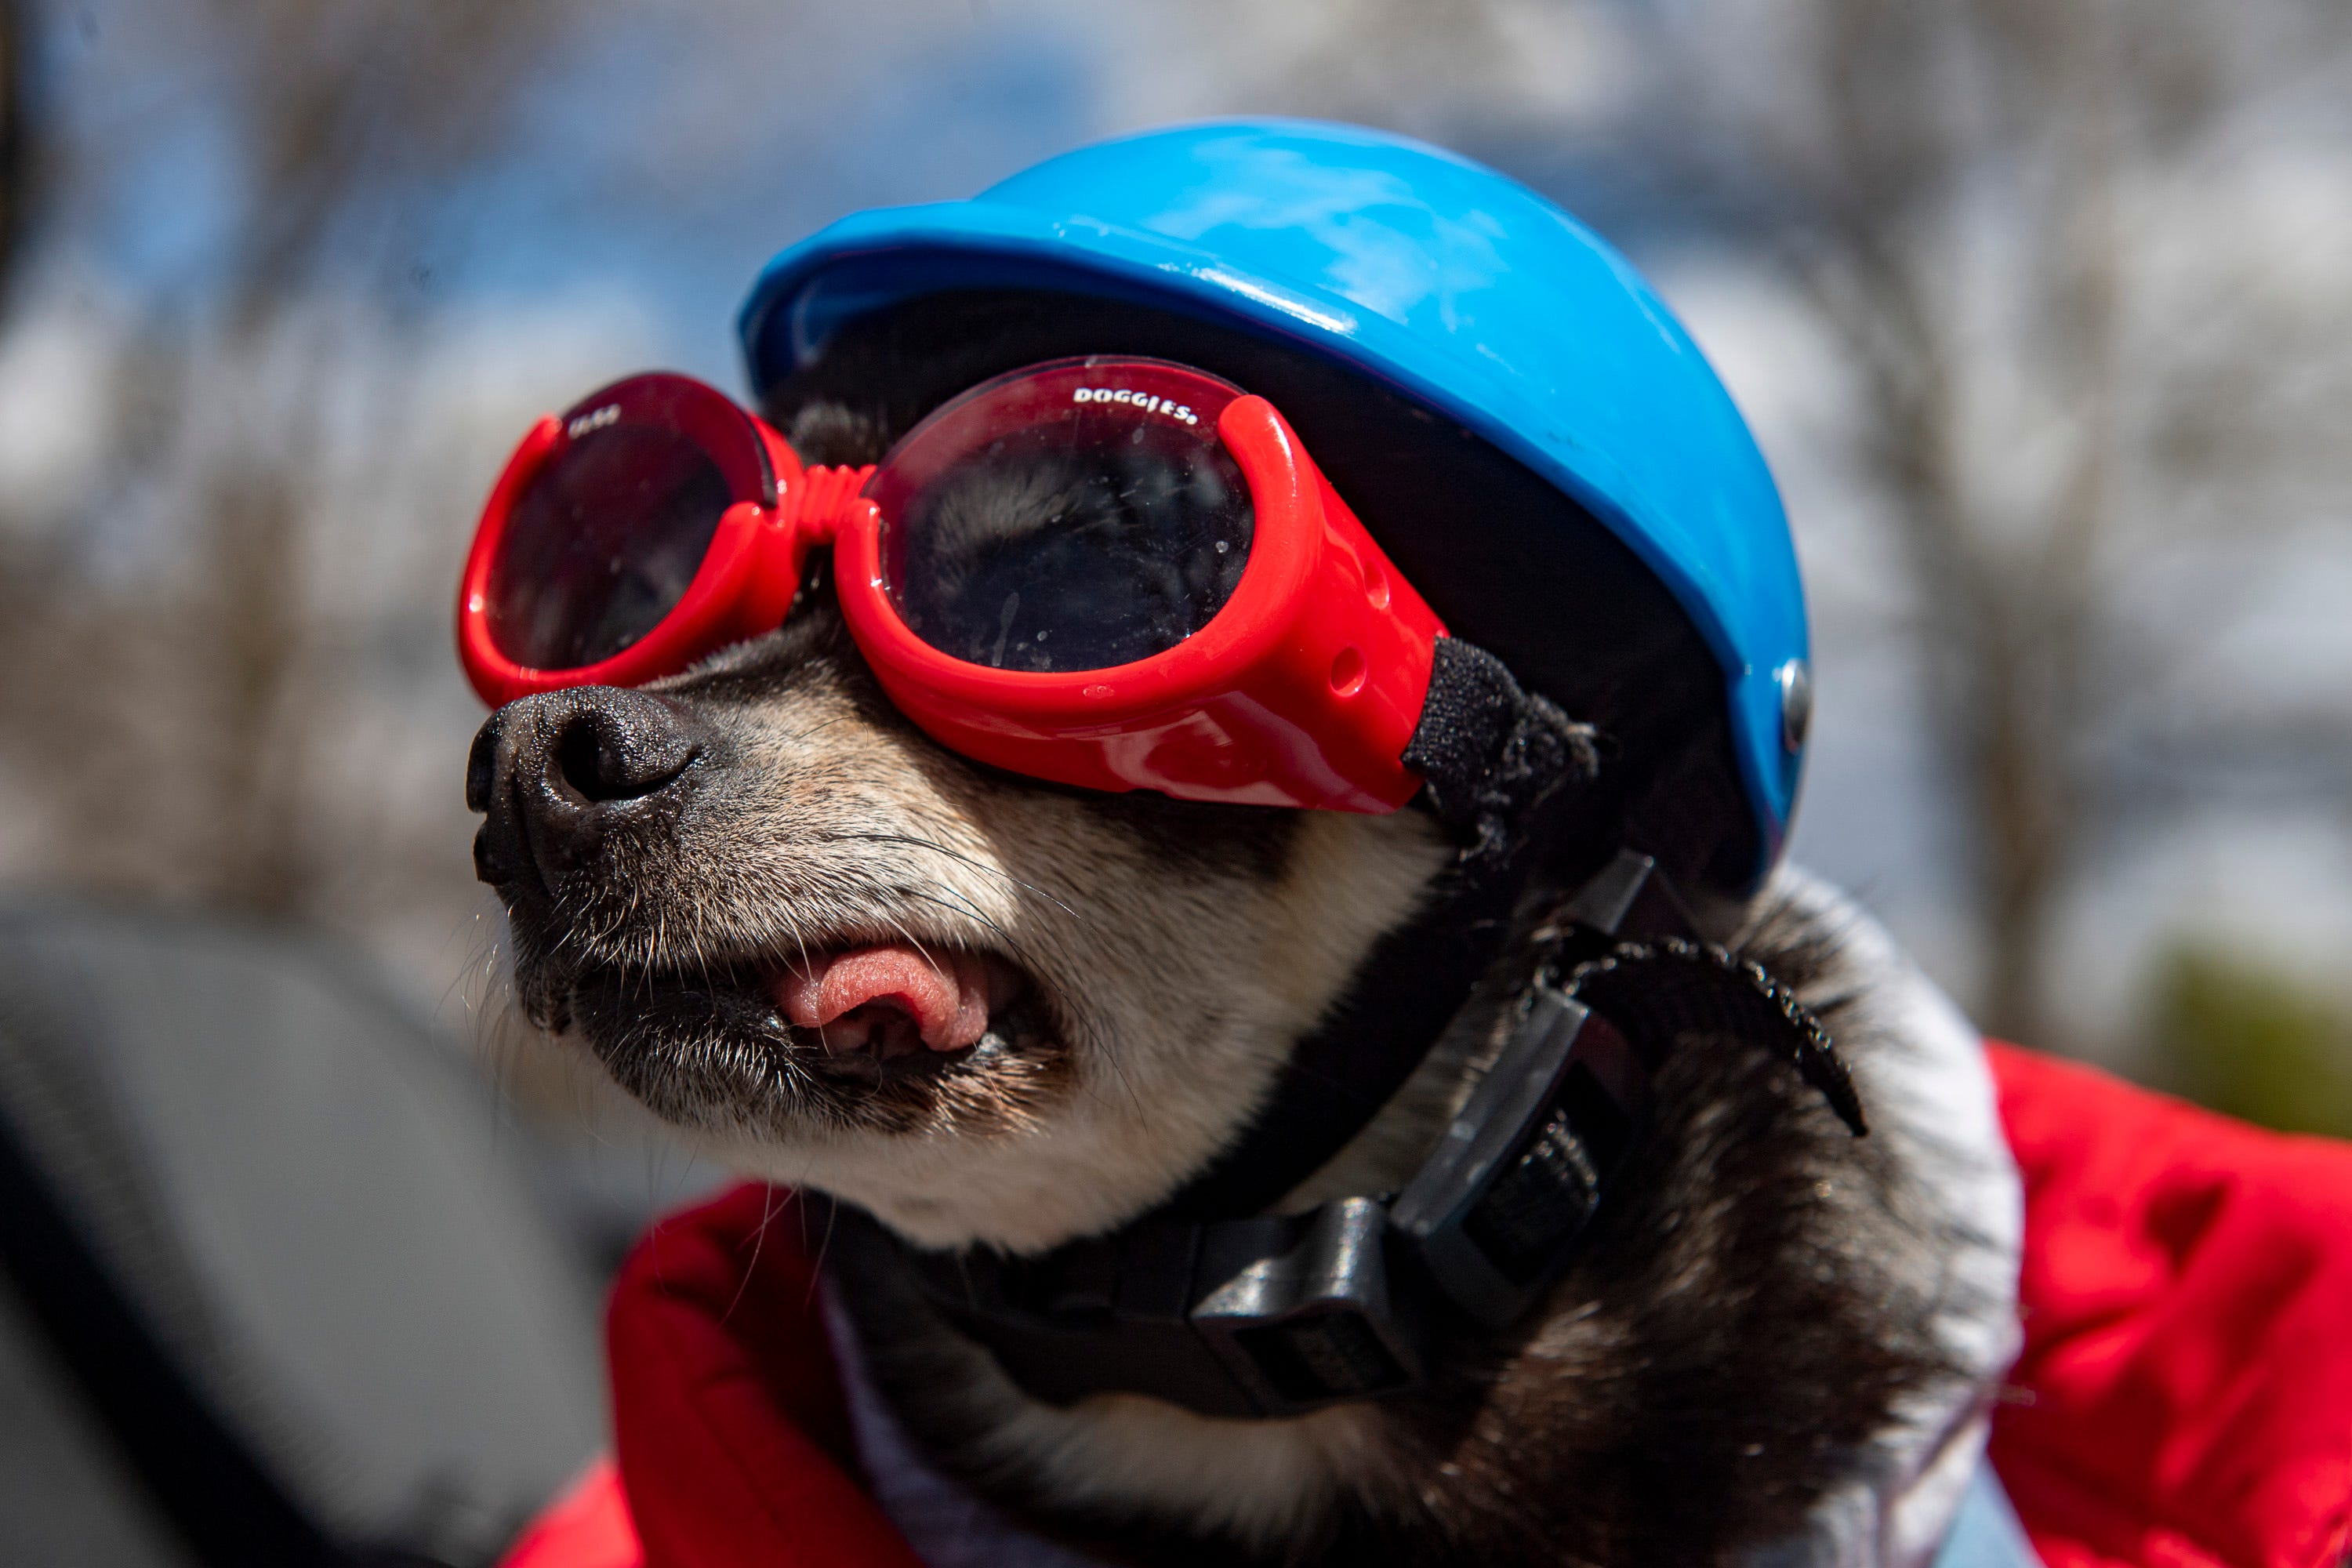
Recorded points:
1777,1346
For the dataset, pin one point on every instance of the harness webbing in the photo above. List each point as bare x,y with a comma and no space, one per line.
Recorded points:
1264,1314
1499,764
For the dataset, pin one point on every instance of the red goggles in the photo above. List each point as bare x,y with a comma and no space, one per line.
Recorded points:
1119,573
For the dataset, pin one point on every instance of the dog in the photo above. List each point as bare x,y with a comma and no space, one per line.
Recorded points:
1780,1341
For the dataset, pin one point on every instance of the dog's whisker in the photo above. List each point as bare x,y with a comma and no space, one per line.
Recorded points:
949,898
768,1209
820,727
914,841
912,939
799,939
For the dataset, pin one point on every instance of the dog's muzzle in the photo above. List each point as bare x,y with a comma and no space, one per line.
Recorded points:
557,776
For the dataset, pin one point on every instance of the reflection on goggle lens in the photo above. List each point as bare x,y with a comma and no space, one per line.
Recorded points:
602,545
1092,540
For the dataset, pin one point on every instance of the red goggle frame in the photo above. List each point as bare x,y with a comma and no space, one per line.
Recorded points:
1301,688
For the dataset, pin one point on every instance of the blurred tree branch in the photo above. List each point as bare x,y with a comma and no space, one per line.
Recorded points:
173,715
1951,186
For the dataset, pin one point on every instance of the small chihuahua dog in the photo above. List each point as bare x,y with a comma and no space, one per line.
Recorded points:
1001,1014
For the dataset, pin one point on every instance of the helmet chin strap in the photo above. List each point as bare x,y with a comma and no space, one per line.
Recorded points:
1213,1304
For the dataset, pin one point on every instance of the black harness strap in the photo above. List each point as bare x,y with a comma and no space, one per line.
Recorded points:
1498,764
1275,1315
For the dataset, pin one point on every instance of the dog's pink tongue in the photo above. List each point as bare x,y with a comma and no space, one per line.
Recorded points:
945,998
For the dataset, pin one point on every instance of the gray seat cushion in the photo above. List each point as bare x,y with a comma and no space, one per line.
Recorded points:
66,1500
313,1207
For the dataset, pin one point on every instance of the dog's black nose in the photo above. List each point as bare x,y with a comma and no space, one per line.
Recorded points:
556,773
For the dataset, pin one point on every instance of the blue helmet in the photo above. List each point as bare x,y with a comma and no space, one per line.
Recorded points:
1461,296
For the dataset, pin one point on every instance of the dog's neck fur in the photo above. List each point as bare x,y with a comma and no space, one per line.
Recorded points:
1704,1378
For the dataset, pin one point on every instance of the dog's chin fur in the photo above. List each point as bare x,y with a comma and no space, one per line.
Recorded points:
1761,1301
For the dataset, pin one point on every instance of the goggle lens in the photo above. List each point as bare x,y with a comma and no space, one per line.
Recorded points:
602,545
607,536
1069,518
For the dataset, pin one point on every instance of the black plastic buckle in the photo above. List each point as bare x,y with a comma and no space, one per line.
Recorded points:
1319,1324
1495,1211
1497,1208
1272,1315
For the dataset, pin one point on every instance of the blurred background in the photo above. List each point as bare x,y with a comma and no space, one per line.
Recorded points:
2043,310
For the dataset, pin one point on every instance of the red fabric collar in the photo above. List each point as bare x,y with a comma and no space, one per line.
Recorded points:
2185,1388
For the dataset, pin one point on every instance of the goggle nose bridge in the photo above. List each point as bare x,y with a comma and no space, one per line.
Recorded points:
822,500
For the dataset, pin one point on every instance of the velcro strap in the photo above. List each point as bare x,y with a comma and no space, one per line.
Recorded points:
1491,753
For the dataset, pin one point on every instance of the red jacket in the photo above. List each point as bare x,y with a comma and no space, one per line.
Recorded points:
2185,1392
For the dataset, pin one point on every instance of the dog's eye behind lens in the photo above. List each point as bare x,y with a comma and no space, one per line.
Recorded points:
1075,546
602,545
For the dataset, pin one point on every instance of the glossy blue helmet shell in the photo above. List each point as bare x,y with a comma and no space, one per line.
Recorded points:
1458,288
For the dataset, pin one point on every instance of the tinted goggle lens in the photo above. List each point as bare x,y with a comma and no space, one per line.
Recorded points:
604,541
602,546
1066,517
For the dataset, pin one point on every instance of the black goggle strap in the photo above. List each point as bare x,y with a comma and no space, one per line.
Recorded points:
1281,1315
